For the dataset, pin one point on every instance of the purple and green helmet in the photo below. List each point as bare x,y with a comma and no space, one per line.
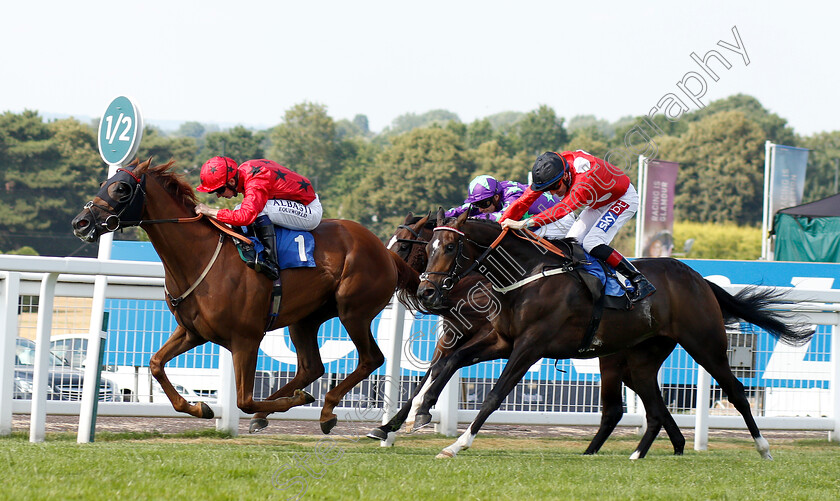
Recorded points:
482,187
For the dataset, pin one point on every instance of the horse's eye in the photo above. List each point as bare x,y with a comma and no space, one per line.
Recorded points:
123,192
403,246
450,247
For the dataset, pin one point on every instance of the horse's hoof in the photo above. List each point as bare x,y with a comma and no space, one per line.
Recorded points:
257,424
206,411
421,421
377,434
307,397
327,426
445,454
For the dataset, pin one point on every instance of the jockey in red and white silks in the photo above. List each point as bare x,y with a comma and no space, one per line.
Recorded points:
489,198
273,195
286,197
602,190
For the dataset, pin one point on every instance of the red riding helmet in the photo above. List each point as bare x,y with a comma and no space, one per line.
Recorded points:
215,173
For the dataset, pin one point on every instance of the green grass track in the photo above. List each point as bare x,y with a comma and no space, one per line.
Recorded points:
207,466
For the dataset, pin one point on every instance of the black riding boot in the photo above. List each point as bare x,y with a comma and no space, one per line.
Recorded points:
641,287
264,230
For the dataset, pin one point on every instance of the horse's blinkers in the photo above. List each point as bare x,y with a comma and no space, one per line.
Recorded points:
126,210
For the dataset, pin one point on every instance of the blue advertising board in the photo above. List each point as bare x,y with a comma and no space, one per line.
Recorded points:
131,320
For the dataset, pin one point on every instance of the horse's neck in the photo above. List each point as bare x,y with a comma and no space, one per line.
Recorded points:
513,256
184,248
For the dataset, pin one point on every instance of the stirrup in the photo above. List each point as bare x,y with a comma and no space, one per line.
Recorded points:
642,290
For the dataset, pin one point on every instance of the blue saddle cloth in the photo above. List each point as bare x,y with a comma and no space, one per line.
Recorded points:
610,280
295,248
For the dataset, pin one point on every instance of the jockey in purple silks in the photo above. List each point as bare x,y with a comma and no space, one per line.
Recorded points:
489,198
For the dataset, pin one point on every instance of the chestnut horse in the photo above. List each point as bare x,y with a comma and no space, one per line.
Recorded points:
545,311
468,338
219,299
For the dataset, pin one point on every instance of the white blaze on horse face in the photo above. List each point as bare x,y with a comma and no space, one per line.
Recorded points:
435,244
391,242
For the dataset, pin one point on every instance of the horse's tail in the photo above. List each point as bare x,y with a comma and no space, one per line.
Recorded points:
751,305
407,282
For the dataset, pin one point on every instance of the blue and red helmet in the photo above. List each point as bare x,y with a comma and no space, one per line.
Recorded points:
549,168
215,173
482,188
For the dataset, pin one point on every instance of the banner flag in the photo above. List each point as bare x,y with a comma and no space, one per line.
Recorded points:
784,185
655,225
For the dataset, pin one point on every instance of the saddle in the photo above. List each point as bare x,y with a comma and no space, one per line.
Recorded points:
601,281
295,249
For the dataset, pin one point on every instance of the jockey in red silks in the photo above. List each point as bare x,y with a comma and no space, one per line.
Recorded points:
489,198
603,191
273,195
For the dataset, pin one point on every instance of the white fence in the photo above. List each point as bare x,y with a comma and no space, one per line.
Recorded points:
810,402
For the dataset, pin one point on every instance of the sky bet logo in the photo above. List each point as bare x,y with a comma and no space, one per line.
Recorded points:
610,217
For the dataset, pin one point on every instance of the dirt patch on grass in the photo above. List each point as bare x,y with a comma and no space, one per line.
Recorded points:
64,424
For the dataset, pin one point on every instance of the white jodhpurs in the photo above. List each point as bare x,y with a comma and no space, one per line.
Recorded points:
599,226
294,215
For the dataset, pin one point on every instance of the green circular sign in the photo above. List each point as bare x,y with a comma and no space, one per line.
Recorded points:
120,131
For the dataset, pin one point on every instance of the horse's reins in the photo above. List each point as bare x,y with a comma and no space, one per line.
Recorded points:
453,276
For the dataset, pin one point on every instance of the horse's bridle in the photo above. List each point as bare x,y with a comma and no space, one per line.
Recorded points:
417,238
129,205
454,275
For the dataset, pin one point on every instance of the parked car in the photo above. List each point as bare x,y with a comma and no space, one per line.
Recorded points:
63,381
129,380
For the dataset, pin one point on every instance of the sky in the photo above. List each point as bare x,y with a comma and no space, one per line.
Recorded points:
247,62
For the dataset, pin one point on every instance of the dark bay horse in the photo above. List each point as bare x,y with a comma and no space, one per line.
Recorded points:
218,298
548,316
468,337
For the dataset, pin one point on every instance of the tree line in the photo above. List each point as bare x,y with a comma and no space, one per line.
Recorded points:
49,169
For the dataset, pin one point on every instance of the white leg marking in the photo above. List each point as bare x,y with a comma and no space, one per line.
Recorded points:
635,455
415,405
763,447
389,442
463,442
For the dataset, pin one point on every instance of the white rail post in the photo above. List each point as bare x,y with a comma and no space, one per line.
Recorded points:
834,382
701,422
393,356
38,415
447,402
9,294
229,419
448,405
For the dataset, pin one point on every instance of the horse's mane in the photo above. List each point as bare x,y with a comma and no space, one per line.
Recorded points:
173,183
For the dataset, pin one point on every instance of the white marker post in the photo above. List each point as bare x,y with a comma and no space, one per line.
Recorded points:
120,132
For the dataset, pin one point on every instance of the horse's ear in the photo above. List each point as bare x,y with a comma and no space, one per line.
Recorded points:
422,222
409,217
441,216
145,165
461,219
